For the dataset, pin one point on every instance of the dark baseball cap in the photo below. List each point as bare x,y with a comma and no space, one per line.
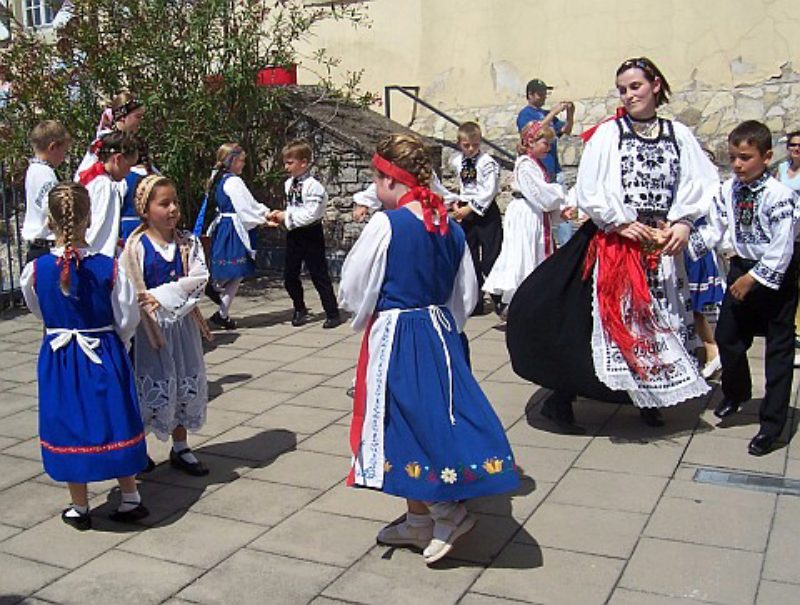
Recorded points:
537,85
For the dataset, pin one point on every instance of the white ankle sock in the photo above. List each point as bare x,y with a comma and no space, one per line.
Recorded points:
130,501
76,511
178,446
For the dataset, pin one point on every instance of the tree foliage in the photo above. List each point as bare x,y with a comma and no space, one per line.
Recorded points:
193,63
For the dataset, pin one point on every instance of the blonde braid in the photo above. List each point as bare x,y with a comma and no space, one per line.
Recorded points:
68,205
409,153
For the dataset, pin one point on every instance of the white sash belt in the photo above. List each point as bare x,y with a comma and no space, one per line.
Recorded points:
87,343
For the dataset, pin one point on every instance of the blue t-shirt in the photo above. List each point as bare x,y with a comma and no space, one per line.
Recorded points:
530,113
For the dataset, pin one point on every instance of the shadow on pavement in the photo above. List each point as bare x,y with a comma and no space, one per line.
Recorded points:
170,493
215,386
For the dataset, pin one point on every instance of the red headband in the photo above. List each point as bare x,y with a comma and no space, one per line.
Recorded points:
392,170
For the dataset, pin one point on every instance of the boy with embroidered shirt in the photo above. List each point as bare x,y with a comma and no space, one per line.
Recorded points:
756,216
474,206
50,142
306,200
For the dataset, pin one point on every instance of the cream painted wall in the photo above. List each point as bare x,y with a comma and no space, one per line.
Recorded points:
472,53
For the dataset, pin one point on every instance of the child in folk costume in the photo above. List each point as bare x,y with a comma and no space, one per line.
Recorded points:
168,269
129,217
116,153
422,428
609,315
125,115
89,423
306,200
50,142
528,234
757,217
231,230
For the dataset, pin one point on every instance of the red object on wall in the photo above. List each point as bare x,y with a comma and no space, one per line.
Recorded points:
277,76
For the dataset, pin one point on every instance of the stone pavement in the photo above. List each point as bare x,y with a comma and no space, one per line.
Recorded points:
612,517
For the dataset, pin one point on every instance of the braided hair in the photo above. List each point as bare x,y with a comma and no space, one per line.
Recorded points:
226,153
651,73
116,142
68,210
409,153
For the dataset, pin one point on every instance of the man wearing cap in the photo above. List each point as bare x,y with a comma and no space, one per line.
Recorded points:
536,92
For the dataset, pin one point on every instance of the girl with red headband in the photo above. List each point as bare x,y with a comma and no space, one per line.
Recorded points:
528,236
608,316
422,428
89,423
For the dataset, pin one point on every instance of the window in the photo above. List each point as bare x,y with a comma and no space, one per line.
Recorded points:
38,13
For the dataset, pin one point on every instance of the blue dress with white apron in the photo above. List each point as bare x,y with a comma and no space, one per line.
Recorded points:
89,423
442,441
129,218
231,257
706,286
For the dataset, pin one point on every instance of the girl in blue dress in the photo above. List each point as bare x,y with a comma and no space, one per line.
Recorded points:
422,428
231,230
89,423
168,270
129,218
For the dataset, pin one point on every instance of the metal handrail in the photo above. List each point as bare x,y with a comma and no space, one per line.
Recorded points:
414,96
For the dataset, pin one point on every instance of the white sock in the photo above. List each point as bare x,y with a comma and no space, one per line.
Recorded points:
76,511
178,446
416,520
130,501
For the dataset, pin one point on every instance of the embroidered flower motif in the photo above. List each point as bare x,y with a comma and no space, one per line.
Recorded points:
387,466
493,466
469,476
413,470
432,478
449,476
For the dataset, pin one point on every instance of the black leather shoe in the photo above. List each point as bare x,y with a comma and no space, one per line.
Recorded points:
196,469
299,318
332,322
81,522
726,408
761,444
129,516
212,294
566,426
351,392
651,417
223,322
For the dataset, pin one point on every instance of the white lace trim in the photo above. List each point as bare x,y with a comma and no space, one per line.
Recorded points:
166,404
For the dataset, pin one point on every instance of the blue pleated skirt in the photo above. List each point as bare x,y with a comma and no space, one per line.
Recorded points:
705,284
229,256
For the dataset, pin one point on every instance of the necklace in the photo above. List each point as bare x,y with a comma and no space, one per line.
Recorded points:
646,128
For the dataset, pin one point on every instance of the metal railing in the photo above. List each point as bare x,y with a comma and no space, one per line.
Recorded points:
412,92
12,257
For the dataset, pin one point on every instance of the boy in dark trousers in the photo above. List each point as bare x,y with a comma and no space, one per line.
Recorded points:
755,217
306,199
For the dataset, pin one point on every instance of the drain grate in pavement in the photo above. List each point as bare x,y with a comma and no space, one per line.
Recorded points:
761,483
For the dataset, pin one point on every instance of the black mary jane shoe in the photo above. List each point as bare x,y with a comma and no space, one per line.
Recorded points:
78,520
761,444
726,407
565,425
223,322
651,417
130,516
332,322
196,469
299,318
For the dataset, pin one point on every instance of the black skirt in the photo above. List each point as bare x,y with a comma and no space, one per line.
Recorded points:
549,330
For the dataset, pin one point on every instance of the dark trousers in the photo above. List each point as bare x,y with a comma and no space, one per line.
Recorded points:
484,238
307,245
768,312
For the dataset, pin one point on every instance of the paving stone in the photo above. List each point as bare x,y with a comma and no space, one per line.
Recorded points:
30,449
316,536
193,539
341,350
329,366
708,514
286,381
485,541
334,439
705,573
6,531
258,502
401,578
474,598
244,365
29,503
297,419
526,572
128,577
623,596
519,505
583,529
161,500
740,426
783,550
247,400
770,593
22,577
15,470
312,339
542,435
222,470
482,362
20,373
219,420
252,444
656,458
22,425
304,469
251,576
220,354
284,354
6,442
362,503
732,453
334,398
65,546
505,373
613,491
544,464
12,359
29,389
242,340
23,336
342,381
